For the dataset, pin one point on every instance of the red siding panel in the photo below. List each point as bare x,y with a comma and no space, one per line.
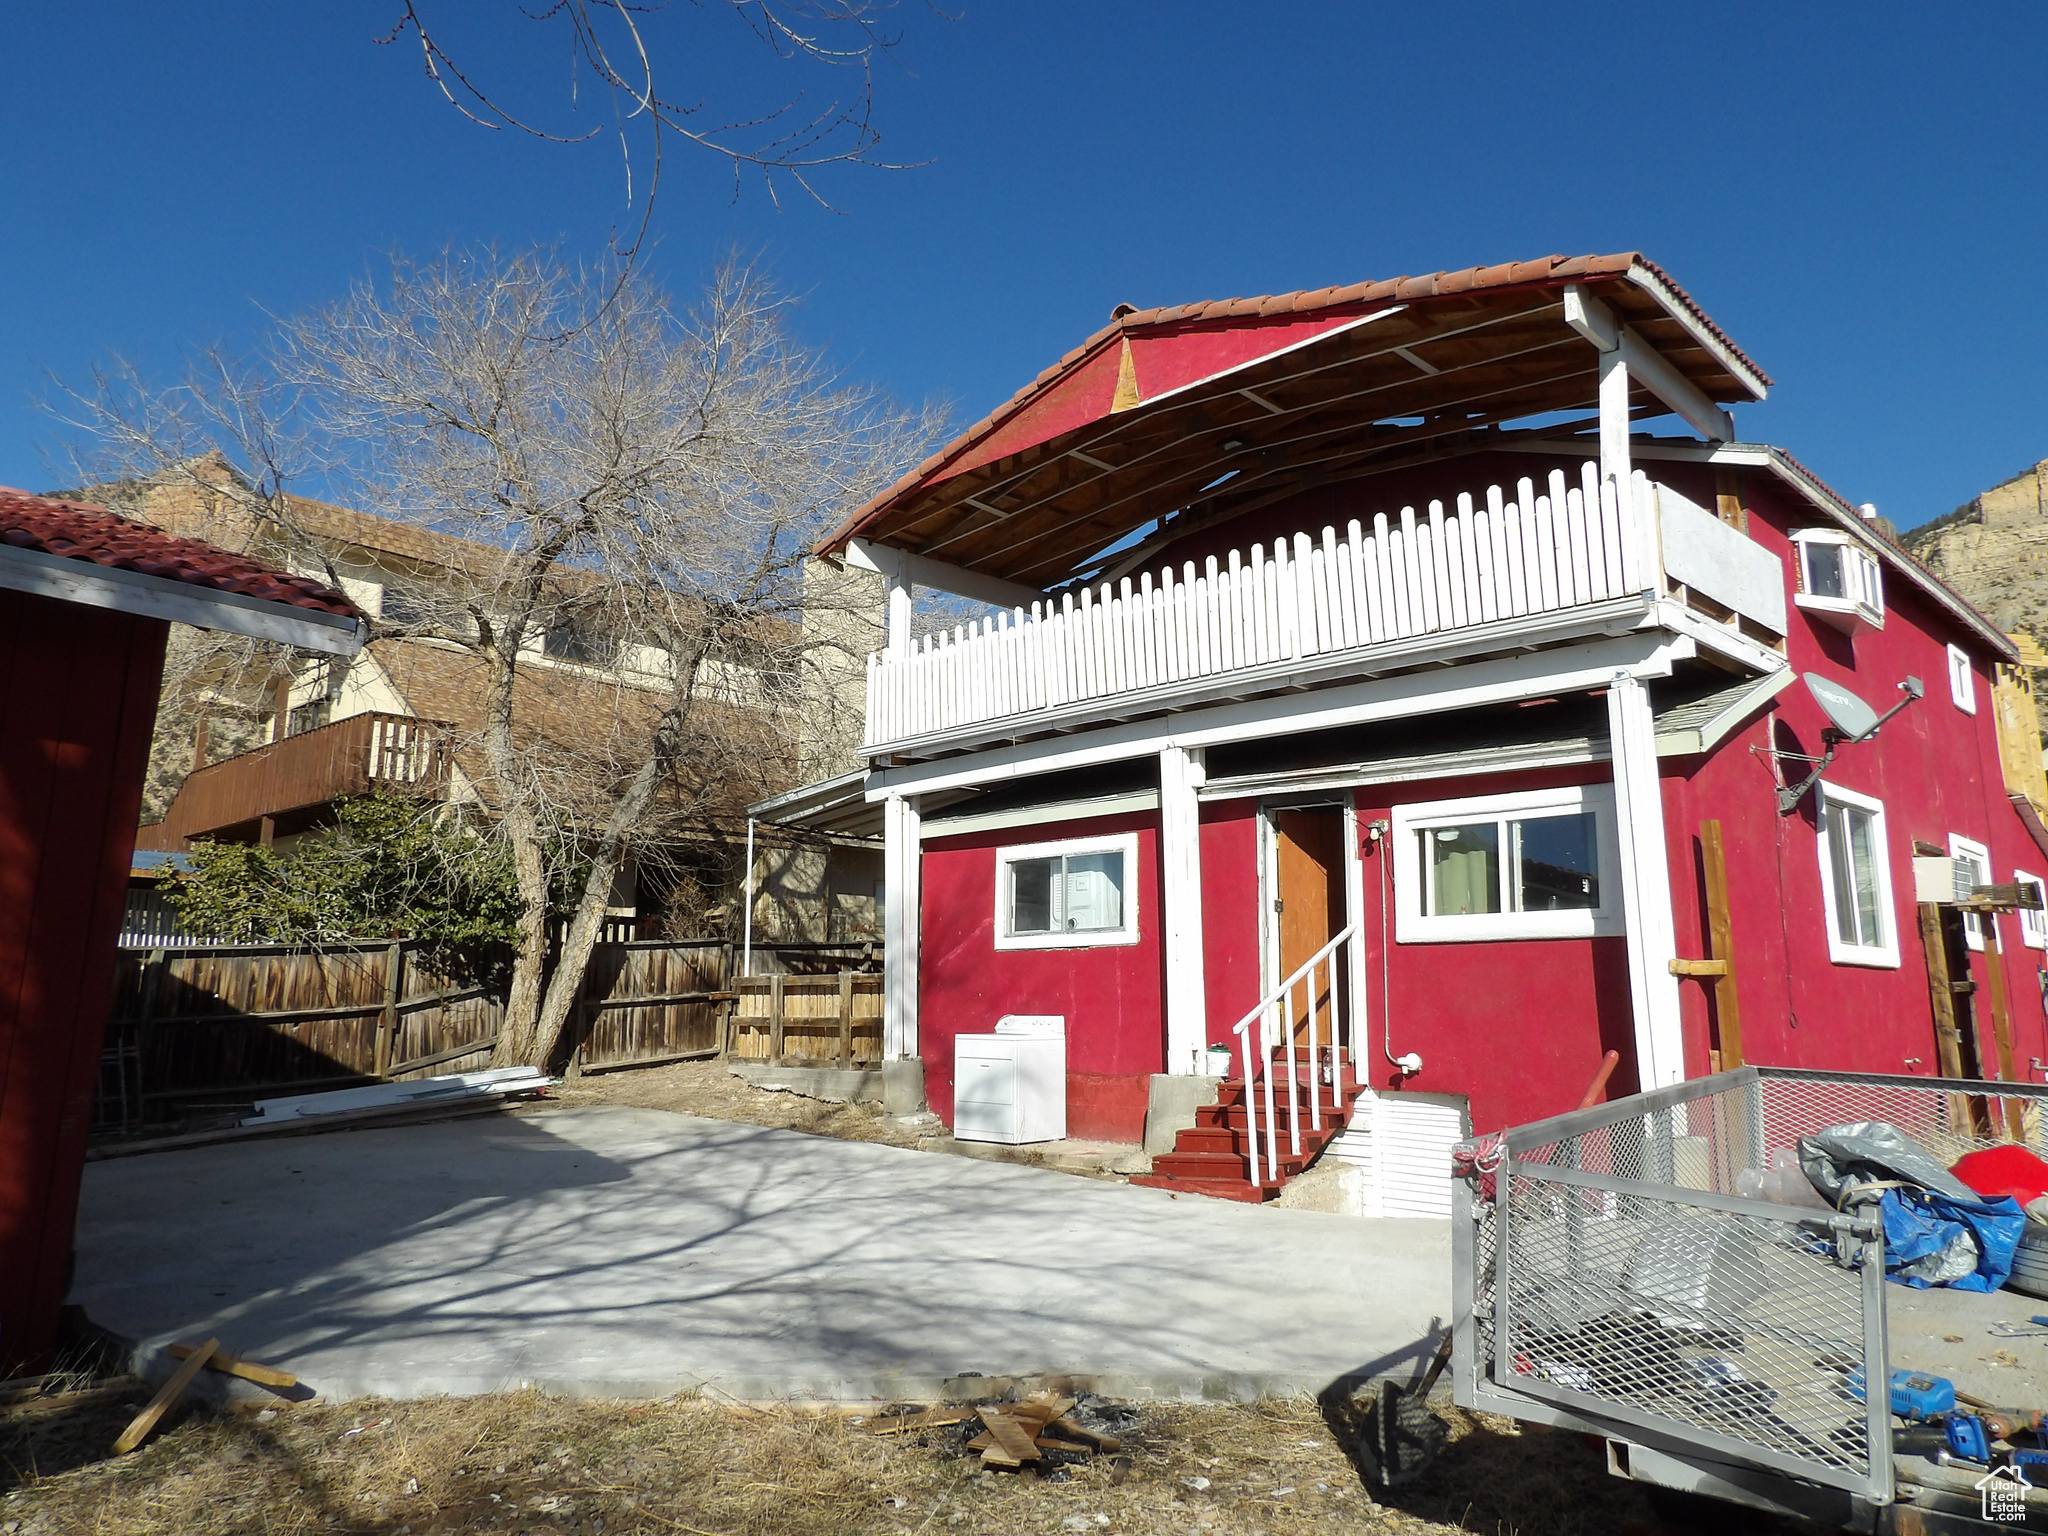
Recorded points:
79,703
1111,996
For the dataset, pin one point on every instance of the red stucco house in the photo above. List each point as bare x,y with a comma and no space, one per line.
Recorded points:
1441,634
86,601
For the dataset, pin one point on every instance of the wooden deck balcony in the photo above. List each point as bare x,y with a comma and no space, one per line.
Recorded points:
289,782
1294,615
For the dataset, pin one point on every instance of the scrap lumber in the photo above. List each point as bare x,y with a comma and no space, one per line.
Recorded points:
1067,1429
167,1394
231,1365
1014,1443
896,1423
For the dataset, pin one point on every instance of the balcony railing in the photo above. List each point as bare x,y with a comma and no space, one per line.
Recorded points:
1274,608
353,756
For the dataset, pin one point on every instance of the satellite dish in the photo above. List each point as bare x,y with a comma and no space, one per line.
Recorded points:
1847,713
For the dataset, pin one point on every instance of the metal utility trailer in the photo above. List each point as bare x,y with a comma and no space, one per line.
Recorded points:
1610,1280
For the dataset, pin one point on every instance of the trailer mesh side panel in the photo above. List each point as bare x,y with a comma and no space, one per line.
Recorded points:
1624,1267
1700,1319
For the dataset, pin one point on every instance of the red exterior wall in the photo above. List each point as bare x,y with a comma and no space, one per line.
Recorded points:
1111,995
1519,1027
1937,771
77,704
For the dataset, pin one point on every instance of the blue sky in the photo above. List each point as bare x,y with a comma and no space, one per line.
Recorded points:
1856,194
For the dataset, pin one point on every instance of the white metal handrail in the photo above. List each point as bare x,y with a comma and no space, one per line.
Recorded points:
1274,1014
1492,559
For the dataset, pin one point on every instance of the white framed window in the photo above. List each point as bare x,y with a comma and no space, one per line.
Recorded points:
1978,857
1076,894
1856,879
1543,864
2033,925
1840,583
1962,682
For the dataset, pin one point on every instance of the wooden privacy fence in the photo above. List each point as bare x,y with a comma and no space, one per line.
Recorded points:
808,1021
203,1031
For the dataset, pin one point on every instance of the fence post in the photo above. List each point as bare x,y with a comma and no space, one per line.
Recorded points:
152,982
387,1021
774,1019
845,1019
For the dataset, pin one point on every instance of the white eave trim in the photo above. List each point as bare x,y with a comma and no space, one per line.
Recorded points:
1143,800
1644,653
1676,308
158,597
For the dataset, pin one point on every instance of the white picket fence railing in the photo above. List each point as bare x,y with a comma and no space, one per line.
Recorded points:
1289,1040
1418,574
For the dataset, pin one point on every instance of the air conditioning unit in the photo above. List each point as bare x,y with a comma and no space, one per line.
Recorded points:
1945,880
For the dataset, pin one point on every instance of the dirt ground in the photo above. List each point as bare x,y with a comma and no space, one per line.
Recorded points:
522,1463
707,1088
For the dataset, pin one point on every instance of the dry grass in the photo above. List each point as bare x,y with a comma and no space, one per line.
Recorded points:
522,1462
707,1088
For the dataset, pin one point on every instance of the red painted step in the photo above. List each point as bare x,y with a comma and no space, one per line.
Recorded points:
1212,1157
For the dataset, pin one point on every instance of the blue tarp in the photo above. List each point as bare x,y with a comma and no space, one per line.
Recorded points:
1929,1237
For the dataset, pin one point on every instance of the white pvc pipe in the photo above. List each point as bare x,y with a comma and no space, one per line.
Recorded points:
747,962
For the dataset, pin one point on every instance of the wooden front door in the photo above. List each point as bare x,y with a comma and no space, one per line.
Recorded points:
1308,846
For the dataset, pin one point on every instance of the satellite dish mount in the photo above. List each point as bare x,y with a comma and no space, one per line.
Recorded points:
1850,720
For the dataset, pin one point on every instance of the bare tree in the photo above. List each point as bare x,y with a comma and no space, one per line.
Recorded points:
640,486
631,72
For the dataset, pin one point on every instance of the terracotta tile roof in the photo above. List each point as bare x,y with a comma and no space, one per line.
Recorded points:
79,530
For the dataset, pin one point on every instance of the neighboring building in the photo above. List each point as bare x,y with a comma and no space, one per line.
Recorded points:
405,714
1365,623
86,603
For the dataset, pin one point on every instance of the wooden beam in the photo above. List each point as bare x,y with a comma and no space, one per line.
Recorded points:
230,1365
1948,1050
2001,1022
920,570
1721,936
1654,372
1591,318
138,1430
775,1020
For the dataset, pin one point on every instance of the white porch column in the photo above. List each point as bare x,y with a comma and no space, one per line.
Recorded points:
900,591
1614,460
1181,773
1645,884
901,866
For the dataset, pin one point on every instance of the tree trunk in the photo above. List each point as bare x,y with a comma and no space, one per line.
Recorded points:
627,814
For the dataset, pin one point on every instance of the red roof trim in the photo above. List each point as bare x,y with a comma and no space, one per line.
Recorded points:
77,530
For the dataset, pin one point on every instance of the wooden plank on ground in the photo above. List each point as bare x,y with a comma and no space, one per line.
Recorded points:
231,1365
896,1423
167,1394
1014,1445
1068,1429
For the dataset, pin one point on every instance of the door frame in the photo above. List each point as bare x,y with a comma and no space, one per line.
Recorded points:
1344,801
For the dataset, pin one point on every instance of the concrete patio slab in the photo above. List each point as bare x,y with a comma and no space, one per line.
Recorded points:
636,1253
